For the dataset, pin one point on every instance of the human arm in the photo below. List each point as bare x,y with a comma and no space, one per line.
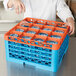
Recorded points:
17,4
65,15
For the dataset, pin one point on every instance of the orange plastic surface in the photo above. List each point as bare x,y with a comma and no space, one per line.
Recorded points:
54,26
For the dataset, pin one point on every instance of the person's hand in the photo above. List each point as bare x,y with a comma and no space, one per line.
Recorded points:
70,22
10,4
18,5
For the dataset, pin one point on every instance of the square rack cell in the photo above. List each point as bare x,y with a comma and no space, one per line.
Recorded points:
51,23
44,33
20,29
32,31
14,35
48,28
56,35
60,30
41,22
26,36
36,26
26,25
38,39
37,42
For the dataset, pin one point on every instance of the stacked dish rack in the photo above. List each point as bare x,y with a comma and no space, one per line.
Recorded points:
37,42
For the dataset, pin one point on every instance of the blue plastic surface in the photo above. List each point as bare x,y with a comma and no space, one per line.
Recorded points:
47,29
38,39
15,35
32,32
42,58
55,36
20,30
58,31
40,23
30,22
35,27
24,25
52,42
26,37
51,25
43,34
61,27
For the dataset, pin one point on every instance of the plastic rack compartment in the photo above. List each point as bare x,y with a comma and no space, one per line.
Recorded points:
37,42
